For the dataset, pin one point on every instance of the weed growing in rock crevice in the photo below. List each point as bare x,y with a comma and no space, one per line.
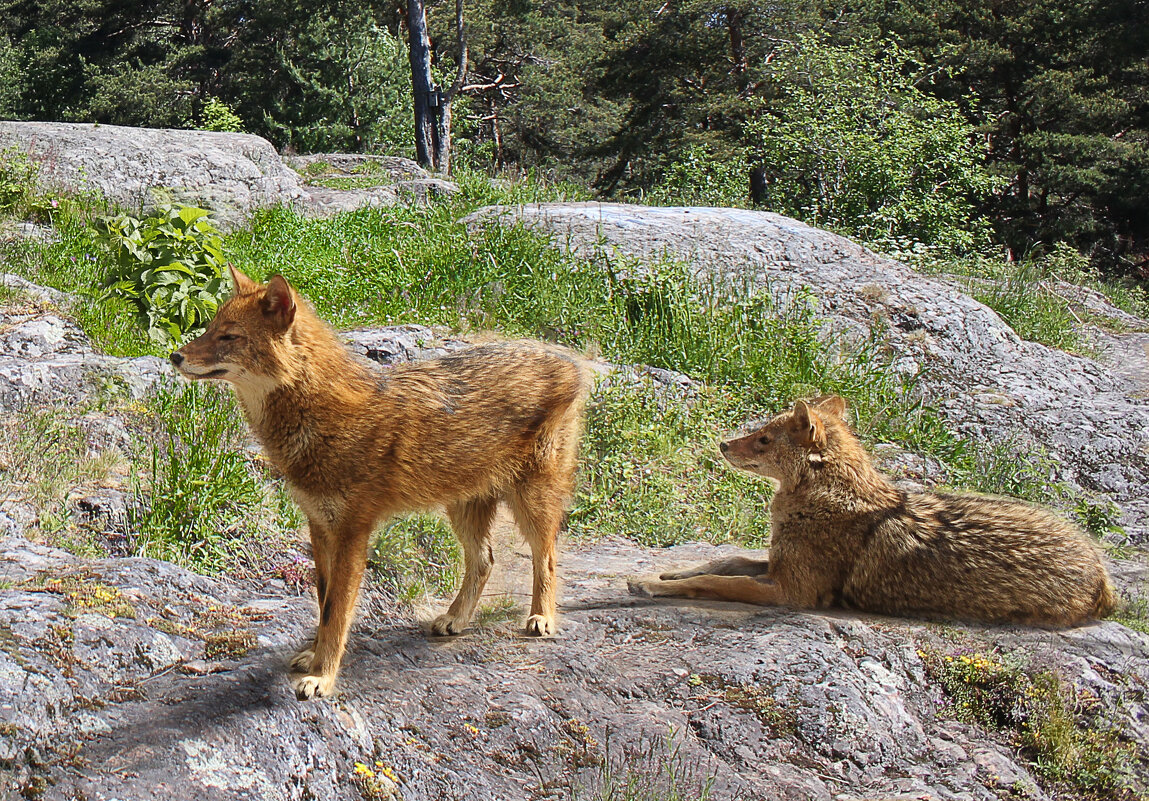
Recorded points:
649,770
1053,723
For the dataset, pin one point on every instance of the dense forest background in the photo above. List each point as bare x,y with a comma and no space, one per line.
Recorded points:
954,126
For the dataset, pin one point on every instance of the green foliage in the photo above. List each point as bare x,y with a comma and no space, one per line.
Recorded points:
1046,717
11,78
217,116
103,61
852,143
1063,90
415,555
651,470
686,77
702,178
333,82
169,265
196,496
18,179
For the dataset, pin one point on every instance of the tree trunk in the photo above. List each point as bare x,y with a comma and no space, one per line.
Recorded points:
433,107
422,84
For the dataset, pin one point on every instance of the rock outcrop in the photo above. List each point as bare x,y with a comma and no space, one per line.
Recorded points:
1091,416
135,679
46,360
231,174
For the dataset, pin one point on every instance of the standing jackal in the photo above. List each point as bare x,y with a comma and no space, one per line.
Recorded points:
489,423
843,535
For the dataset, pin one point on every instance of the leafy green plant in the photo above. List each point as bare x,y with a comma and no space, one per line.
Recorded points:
218,116
169,266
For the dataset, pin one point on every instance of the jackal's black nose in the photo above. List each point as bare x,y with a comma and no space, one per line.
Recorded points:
177,358
722,446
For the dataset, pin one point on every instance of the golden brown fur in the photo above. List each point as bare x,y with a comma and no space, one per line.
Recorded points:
493,422
844,535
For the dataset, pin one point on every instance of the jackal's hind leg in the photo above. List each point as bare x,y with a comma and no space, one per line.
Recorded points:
719,588
538,508
728,566
472,523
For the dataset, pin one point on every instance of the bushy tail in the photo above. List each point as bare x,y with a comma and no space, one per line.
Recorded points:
1106,601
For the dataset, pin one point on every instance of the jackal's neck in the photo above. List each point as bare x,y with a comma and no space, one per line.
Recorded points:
315,380
846,477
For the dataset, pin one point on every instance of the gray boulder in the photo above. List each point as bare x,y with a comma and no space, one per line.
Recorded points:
137,168
47,361
1090,415
229,173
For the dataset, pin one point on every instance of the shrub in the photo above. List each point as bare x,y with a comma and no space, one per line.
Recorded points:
849,141
169,266
217,116
1047,718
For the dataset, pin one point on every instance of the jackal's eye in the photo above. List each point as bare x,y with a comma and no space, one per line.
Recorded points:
764,440
228,337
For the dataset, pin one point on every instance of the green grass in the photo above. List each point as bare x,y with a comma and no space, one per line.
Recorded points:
651,470
414,555
44,458
1023,293
201,498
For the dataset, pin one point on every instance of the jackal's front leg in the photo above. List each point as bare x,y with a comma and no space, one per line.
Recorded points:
727,566
320,552
345,557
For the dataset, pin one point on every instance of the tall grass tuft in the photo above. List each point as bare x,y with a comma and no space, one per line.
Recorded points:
198,500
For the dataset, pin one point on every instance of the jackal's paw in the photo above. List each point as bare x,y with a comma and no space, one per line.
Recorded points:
446,624
645,588
301,662
541,626
307,687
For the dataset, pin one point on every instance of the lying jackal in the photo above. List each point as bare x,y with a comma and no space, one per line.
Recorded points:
493,422
844,535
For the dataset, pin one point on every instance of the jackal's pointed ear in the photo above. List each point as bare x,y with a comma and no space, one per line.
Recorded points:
808,426
241,282
278,301
831,404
